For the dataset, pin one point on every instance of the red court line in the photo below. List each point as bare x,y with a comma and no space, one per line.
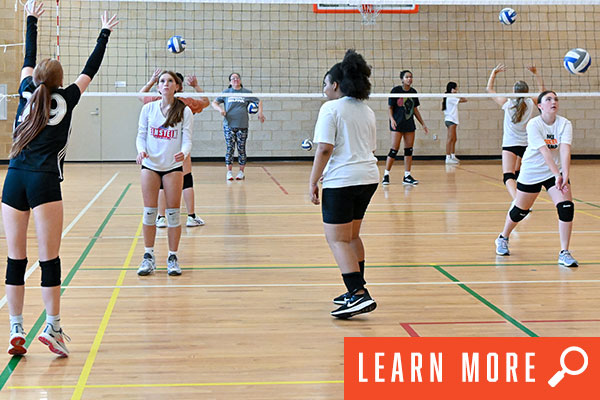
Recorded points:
275,180
411,332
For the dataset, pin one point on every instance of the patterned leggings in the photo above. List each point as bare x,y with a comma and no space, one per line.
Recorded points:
233,136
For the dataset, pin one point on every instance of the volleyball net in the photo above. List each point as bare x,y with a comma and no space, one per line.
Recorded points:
285,47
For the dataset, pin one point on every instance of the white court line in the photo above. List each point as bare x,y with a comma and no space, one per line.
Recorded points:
66,231
277,285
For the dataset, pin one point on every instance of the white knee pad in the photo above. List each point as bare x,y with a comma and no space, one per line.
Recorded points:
149,217
173,215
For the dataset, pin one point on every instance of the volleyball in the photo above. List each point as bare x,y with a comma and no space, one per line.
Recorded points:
252,108
307,144
577,61
176,44
507,16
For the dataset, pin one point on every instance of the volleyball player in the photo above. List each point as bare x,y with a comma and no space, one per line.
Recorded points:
547,163
402,113
345,135
517,112
196,105
42,128
164,140
450,109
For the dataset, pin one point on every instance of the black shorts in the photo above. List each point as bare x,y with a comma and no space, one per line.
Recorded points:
25,189
537,187
516,150
346,204
163,173
404,126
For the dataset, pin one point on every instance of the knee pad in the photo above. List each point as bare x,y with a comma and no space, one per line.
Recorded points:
173,215
517,173
509,175
50,272
408,151
15,271
188,181
149,217
393,153
566,211
516,214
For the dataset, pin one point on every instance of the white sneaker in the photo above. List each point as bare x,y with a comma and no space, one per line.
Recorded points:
450,160
161,221
455,159
16,346
240,176
147,266
173,268
55,340
229,175
194,221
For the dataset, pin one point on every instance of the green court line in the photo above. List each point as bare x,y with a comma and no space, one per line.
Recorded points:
14,361
486,302
588,203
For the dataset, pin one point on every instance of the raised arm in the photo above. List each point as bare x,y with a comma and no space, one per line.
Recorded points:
93,63
201,103
490,85
34,12
538,80
153,80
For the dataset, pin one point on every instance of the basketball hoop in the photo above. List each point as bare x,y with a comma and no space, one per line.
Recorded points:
369,13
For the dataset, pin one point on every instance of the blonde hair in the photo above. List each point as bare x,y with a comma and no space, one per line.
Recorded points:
520,106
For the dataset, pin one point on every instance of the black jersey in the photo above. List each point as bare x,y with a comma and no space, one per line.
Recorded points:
47,151
403,108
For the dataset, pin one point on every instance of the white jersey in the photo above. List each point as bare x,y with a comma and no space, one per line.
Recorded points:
515,134
533,167
162,143
451,111
349,125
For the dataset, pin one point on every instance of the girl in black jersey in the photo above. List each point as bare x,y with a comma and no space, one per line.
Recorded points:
42,128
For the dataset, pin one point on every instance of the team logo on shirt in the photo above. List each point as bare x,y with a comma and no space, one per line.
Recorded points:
160,133
551,141
409,106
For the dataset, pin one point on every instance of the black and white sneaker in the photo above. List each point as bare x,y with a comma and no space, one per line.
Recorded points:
356,304
409,180
341,299
386,180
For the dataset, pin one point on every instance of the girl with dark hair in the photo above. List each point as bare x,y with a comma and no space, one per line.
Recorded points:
32,184
517,112
346,137
450,109
547,163
164,140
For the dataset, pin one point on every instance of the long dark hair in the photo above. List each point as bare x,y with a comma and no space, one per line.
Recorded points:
352,74
48,75
449,87
176,110
520,106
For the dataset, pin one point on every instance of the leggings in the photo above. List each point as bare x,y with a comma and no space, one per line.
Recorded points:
233,136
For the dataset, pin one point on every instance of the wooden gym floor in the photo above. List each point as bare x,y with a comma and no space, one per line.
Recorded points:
249,317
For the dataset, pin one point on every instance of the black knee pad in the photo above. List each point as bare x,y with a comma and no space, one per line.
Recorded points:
188,181
408,151
566,211
393,153
517,173
516,214
50,272
509,175
15,271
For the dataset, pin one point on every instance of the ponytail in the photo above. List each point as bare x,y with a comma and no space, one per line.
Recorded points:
449,87
520,105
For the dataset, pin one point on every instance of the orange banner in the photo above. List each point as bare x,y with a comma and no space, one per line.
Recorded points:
471,368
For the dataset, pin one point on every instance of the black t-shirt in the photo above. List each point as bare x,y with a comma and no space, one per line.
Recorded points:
403,108
47,151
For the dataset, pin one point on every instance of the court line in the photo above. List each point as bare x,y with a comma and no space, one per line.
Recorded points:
89,362
14,361
275,180
30,271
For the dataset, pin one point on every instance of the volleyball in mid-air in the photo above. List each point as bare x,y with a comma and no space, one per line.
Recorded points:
577,61
176,44
307,144
252,108
507,16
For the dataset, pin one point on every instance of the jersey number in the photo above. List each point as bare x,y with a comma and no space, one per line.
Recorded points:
57,112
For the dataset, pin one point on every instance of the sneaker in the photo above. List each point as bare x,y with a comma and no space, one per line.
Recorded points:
386,180
194,221
161,221
55,340
240,176
173,266
355,304
565,258
409,180
452,160
456,159
229,175
502,246
16,346
341,299
148,265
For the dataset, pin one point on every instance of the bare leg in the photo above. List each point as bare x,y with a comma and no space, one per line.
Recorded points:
509,163
396,138
564,228
451,140
15,226
409,140
524,201
150,189
173,183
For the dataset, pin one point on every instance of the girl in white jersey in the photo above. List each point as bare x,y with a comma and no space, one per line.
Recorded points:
346,137
450,109
164,140
547,163
517,112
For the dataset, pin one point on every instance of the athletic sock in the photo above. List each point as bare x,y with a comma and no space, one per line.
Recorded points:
386,172
406,173
54,320
149,250
16,319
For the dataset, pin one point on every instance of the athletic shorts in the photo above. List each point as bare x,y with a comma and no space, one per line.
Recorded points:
449,123
537,187
346,204
404,126
517,150
25,189
163,173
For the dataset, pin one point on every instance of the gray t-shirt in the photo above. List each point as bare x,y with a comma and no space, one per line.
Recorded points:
236,108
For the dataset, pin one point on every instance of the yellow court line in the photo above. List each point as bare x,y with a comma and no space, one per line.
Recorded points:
89,362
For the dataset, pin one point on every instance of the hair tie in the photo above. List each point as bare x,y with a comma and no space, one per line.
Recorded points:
42,83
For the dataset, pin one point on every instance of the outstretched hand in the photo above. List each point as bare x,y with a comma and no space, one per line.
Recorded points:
109,23
34,9
156,75
499,68
532,69
191,80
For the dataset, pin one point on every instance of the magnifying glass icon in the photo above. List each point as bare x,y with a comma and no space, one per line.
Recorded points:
564,370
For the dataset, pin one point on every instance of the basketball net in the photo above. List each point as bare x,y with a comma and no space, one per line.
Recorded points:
369,13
